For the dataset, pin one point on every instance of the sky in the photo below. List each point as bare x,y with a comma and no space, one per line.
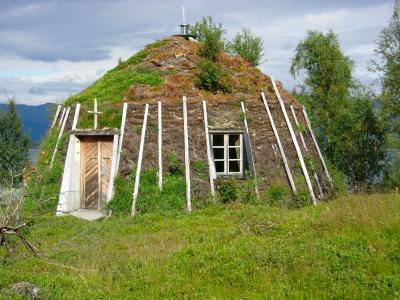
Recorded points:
50,49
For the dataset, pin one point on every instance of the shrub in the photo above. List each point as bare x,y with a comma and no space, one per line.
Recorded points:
213,78
173,165
275,194
210,35
227,190
248,46
301,199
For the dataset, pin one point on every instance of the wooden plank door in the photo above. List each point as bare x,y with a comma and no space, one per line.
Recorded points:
89,172
106,146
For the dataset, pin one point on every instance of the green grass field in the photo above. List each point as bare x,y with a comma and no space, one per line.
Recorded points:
348,248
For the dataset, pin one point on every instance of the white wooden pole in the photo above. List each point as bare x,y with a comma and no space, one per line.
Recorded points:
278,141
298,124
59,136
321,193
110,192
62,116
187,162
95,114
56,116
251,150
317,147
139,164
306,149
76,116
296,144
121,136
160,165
211,170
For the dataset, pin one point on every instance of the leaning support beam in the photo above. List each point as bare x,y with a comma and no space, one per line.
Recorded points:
110,192
187,162
211,170
296,144
160,165
317,147
278,141
76,116
121,136
321,194
251,151
60,136
298,126
56,116
139,163
62,116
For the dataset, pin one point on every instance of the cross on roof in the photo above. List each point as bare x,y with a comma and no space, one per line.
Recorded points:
95,112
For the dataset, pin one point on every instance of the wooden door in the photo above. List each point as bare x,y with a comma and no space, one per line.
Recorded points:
96,156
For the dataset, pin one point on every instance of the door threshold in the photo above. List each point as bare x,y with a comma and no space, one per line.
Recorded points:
88,214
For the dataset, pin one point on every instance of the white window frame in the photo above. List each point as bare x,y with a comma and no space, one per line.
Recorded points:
226,148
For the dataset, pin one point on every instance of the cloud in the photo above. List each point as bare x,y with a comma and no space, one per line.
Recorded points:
50,49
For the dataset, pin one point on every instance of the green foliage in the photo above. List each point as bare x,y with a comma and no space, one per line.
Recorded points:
210,36
301,199
275,194
227,189
113,85
157,44
121,203
388,66
200,168
347,126
340,186
345,249
174,167
14,147
213,78
248,46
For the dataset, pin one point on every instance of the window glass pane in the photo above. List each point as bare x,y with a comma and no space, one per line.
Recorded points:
234,166
234,153
234,140
218,139
218,153
220,166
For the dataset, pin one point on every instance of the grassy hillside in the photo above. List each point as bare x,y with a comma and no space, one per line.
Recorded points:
348,248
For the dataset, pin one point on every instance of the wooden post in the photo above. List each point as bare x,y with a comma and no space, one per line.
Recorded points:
296,145
121,136
306,149
278,141
251,151
110,192
187,162
140,157
317,147
297,124
160,165
95,113
56,116
211,170
62,117
59,136
321,193
76,116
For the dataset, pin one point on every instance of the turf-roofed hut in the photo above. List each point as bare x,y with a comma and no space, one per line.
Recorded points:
162,142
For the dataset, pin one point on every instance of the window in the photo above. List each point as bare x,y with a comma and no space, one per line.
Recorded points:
228,153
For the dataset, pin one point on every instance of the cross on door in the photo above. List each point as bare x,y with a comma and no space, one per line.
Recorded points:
95,112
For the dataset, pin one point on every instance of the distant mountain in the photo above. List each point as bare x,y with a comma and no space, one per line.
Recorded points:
35,119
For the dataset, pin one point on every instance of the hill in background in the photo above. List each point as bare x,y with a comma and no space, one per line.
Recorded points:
35,120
